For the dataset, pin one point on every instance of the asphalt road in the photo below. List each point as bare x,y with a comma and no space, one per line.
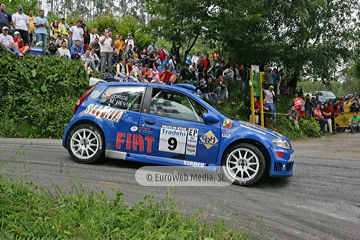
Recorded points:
320,201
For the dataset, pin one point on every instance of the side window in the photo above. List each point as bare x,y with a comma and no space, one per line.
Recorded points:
123,97
175,105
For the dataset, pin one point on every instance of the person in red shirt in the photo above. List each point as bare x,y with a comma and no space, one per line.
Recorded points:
19,43
326,112
319,117
299,103
206,63
162,54
167,77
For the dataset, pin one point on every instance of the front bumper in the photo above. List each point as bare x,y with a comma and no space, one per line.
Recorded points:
282,162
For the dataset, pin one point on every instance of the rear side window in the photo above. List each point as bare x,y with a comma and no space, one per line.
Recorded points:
123,97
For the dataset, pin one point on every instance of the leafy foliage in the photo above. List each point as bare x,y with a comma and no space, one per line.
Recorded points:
38,94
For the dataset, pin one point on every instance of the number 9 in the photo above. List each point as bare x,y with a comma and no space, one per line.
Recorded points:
172,143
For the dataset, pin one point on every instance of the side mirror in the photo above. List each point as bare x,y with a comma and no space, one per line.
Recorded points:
210,118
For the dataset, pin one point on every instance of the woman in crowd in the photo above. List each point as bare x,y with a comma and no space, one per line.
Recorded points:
19,43
86,38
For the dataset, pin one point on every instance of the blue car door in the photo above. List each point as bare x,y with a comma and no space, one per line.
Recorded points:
179,133
122,105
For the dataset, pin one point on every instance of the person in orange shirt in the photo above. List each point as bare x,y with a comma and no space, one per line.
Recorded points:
299,103
32,30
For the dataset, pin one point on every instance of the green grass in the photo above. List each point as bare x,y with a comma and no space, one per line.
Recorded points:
29,212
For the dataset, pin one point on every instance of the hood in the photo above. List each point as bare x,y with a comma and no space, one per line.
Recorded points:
256,127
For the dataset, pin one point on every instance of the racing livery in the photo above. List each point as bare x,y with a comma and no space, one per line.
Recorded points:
171,125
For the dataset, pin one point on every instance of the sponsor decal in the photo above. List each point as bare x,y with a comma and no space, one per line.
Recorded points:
146,130
227,124
133,128
173,139
134,142
209,139
119,100
195,164
226,135
95,94
191,143
104,112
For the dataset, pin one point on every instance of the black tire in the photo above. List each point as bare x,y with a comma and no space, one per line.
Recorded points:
85,143
243,164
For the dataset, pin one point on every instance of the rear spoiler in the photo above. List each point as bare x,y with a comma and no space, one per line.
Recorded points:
94,81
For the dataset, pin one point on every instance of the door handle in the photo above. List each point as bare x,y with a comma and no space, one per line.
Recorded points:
151,122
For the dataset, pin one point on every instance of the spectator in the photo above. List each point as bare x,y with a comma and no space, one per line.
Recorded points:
268,78
346,105
316,100
77,33
146,75
309,106
136,72
124,53
319,117
355,106
89,61
195,59
22,24
19,43
64,30
54,26
206,63
96,46
270,95
256,109
5,17
130,41
144,57
326,112
291,84
32,29
8,41
63,51
229,74
155,73
162,54
152,47
173,65
86,38
186,75
266,108
167,77
51,47
96,58
41,24
338,108
119,43
59,41
76,50
200,70
354,123
221,87
299,103
122,71
166,62
94,35
294,116
106,43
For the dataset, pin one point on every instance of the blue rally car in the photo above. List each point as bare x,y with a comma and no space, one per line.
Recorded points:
170,125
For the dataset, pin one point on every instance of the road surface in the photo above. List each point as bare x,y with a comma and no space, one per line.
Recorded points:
320,201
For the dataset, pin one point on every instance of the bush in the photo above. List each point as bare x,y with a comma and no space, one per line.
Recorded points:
38,94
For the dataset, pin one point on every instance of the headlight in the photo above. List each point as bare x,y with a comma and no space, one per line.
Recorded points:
280,142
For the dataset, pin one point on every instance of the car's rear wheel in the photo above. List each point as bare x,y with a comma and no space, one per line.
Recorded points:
85,143
243,164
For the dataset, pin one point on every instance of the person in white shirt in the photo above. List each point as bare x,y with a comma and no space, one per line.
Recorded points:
106,44
22,24
135,73
130,41
93,35
195,59
96,58
8,41
63,51
77,33
228,73
269,96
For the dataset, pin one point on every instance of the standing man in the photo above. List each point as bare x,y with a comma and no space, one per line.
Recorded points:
41,24
64,30
31,18
106,43
77,33
21,24
269,96
5,17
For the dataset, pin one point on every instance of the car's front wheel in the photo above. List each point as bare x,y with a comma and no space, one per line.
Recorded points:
85,143
243,164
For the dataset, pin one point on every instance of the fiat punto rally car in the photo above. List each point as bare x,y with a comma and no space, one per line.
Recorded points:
170,125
